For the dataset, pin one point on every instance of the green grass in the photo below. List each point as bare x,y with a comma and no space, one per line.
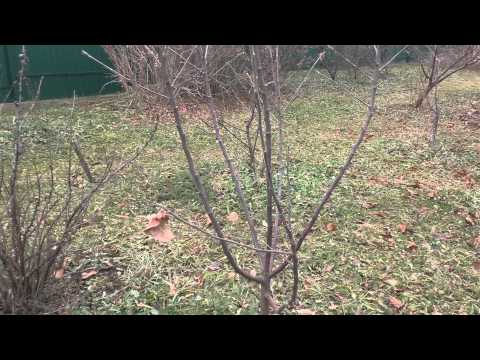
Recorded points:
353,270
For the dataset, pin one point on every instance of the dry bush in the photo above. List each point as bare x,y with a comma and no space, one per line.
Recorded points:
46,187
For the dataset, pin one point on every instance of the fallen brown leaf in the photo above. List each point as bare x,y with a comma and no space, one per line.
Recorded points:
208,220
393,301
378,213
88,274
60,272
331,227
308,282
158,227
233,217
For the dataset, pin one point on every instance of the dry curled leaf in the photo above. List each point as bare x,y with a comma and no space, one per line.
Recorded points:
158,227
378,213
207,220
233,217
402,228
309,281
88,274
331,227
393,301
60,272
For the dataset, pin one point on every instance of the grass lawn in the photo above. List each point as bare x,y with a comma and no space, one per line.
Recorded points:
406,216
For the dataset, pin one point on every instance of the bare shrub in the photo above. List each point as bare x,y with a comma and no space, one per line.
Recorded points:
43,200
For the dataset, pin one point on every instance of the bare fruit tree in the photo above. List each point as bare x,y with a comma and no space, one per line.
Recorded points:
277,243
442,61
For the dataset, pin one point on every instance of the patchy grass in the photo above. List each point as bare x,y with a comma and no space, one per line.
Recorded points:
362,267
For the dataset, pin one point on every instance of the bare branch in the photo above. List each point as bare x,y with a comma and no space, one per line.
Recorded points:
238,242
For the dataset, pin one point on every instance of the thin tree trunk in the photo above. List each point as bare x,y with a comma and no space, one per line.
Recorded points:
435,120
82,161
423,95
265,297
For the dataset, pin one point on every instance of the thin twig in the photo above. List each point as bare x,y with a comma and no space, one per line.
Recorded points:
229,239
343,170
